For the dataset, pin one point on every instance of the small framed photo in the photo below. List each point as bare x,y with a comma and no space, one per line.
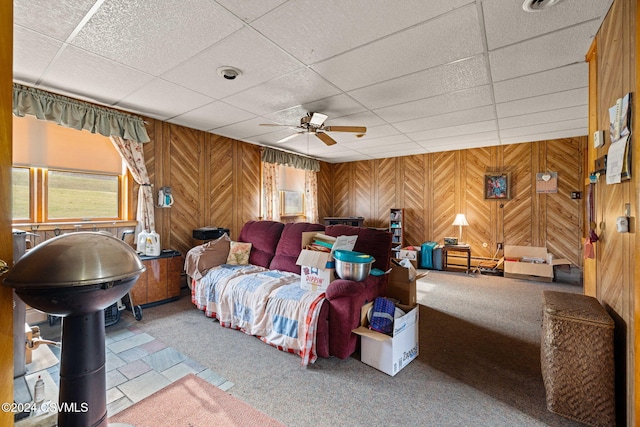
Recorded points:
291,203
497,186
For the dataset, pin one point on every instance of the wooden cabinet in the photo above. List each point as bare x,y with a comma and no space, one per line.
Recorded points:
160,281
396,228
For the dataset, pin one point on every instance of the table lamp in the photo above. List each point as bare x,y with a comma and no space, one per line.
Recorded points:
460,221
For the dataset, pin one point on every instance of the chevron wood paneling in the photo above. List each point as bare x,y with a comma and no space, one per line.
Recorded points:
341,189
184,149
444,195
386,194
518,213
249,185
478,210
325,191
562,221
363,188
414,171
220,197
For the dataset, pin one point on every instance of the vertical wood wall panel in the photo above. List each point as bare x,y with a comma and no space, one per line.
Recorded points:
413,184
220,198
6,239
385,191
443,196
363,188
518,214
478,210
325,191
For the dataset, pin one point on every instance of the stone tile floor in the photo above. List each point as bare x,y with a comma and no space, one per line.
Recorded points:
137,365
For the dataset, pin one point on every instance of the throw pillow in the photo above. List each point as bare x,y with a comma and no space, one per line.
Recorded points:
202,258
239,253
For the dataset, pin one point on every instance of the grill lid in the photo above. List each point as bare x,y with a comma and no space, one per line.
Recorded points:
73,260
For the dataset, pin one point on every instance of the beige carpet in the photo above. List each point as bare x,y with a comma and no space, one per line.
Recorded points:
192,402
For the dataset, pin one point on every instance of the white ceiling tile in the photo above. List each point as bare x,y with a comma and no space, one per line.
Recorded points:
554,101
569,133
507,23
557,80
582,123
167,99
436,105
300,87
404,150
335,107
570,113
154,36
370,143
473,115
459,139
434,81
250,10
241,130
459,130
258,59
328,28
32,53
56,19
425,46
437,146
546,52
93,77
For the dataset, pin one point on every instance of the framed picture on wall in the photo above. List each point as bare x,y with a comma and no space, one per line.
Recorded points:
291,203
497,186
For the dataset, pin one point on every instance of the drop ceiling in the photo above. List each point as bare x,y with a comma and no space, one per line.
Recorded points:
422,76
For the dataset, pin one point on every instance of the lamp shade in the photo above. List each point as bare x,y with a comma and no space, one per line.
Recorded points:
460,220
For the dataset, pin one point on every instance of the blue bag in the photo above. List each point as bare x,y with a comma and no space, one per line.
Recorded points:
426,255
382,315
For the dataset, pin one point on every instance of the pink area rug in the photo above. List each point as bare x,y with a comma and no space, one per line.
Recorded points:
192,402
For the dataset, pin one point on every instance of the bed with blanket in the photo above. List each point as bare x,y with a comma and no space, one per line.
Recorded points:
259,292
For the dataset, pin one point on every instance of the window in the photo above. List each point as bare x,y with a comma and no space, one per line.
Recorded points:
75,195
21,194
61,174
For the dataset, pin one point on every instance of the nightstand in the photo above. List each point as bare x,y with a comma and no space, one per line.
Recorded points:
456,248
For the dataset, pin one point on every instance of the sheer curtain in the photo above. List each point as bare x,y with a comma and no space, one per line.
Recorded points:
270,186
133,154
311,195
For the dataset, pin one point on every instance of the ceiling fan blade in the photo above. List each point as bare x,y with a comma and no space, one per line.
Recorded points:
318,119
354,129
287,138
325,138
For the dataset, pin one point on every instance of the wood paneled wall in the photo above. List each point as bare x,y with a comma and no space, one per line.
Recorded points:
6,239
215,181
433,188
614,276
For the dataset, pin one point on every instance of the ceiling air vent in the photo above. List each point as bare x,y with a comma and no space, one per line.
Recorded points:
538,5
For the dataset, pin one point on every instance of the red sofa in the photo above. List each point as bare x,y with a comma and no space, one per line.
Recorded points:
276,246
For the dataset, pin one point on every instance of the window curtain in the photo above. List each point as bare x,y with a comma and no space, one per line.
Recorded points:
270,158
76,114
133,154
311,196
270,186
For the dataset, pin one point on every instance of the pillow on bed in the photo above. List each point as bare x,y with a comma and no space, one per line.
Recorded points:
239,253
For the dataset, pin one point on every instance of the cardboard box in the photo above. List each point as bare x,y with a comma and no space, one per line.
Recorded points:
390,354
412,254
540,271
317,270
401,285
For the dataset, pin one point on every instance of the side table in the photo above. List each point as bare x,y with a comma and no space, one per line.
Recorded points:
456,248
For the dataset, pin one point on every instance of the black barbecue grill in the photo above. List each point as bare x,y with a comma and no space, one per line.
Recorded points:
76,276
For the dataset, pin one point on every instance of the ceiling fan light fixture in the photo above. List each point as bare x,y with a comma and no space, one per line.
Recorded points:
317,119
538,5
229,73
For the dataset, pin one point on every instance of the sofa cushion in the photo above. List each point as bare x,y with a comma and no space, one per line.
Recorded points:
264,237
376,243
290,245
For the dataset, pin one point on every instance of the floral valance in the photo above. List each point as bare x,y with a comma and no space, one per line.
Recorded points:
269,155
77,114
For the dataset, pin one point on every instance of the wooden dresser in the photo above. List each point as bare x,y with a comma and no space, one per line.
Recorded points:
160,282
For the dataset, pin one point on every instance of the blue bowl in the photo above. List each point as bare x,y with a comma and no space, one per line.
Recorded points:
351,256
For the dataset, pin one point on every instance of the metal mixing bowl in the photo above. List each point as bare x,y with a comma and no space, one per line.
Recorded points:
356,271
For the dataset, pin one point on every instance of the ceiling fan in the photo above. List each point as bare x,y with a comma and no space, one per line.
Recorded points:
314,123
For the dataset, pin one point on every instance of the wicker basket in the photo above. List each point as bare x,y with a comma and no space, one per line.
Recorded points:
577,358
